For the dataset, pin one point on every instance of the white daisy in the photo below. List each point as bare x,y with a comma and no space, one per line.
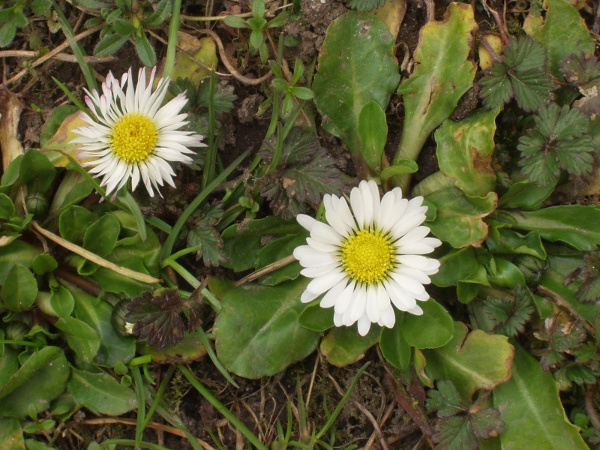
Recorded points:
131,136
369,256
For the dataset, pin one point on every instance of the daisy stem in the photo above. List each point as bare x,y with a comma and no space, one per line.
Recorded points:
167,247
172,45
88,73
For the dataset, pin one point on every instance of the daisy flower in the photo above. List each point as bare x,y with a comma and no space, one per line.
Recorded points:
131,136
369,257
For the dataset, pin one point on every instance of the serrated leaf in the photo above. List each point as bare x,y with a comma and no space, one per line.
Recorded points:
583,71
304,174
487,423
203,233
509,314
366,5
496,86
524,54
532,88
455,433
445,399
521,74
157,318
589,290
558,142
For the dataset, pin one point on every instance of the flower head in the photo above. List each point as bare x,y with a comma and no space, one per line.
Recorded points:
130,135
369,257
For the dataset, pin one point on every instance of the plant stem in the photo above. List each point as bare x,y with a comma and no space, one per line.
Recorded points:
172,46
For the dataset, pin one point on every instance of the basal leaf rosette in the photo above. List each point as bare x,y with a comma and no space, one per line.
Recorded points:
369,257
131,136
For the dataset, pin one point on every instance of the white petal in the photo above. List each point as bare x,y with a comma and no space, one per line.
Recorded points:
325,282
364,325
372,306
359,303
333,294
388,317
305,221
358,208
343,301
324,233
398,296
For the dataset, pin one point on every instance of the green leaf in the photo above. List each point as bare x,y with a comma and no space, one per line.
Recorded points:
124,27
101,393
343,345
562,32
101,236
110,45
575,225
303,175
73,223
203,233
160,14
37,172
243,241
459,219
589,290
11,434
503,241
144,49
56,117
17,252
97,314
433,329
41,379
19,289
82,338
525,195
316,318
464,151
393,347
554,278
74,188
400,167
41,7
456,265
44,263
235,22
278,249
531,409
257,330
357,59
474,361
443,73
7,207
372,133
62,301
7,32
186,351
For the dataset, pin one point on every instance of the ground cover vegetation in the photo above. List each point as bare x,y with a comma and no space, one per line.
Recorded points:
308,224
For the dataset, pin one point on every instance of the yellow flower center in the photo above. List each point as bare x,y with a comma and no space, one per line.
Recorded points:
368,256
134,137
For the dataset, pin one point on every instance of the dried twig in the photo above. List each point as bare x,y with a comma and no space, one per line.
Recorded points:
153,425
53,53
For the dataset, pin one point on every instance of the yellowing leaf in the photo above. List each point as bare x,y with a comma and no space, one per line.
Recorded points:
61,141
